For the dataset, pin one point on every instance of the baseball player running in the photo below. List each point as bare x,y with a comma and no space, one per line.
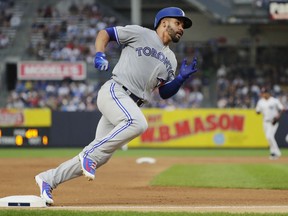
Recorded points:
271,108
146,63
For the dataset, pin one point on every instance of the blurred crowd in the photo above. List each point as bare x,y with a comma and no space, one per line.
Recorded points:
239,87
232,90
66,95
10,19
4,40
70,36
67,36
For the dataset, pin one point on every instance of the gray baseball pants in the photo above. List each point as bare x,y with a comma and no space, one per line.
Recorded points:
122,120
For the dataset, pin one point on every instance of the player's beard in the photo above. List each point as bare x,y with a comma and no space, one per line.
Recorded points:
173,34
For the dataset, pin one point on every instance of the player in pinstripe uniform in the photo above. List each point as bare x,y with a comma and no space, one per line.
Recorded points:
271,109
146,63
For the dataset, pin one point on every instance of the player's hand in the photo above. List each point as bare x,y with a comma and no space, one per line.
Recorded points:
187,70
100,61
275,120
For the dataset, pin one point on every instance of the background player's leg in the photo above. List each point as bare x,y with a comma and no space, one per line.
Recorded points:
270,131
273,144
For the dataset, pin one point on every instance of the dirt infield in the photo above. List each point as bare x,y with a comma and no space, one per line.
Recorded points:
122,184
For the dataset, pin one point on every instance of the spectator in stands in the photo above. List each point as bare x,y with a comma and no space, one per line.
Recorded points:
222,72
15,101
195,99
73,8
15,21
4,40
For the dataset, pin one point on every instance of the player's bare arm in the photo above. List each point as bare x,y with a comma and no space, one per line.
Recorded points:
100,61
101,41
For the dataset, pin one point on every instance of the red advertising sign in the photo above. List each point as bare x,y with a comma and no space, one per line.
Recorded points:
278,10
11,117
33,70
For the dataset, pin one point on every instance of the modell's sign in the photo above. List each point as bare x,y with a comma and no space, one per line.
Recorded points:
32,70
11,117
278,10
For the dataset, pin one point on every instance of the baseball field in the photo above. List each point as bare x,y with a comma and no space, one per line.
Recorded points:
180,182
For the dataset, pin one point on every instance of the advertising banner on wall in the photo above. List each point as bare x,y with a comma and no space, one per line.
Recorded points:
229,128
278,10
25,117
25,127
36,70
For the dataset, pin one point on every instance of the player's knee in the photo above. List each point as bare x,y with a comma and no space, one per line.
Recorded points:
270,138
141,127
144,127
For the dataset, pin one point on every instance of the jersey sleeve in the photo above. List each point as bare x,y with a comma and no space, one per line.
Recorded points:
127,34
280,106
258,107
166,78
161,81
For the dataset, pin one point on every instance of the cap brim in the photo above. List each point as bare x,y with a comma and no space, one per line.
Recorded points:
187,22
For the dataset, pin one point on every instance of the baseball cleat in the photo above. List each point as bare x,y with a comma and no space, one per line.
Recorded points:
88,167
45,190
274,156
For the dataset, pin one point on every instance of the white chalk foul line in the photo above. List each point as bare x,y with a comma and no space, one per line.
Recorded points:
177,208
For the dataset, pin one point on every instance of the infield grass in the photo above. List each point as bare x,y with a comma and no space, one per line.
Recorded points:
268,175
255,176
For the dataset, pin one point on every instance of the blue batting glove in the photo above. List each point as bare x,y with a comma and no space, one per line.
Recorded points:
100,61
187,70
